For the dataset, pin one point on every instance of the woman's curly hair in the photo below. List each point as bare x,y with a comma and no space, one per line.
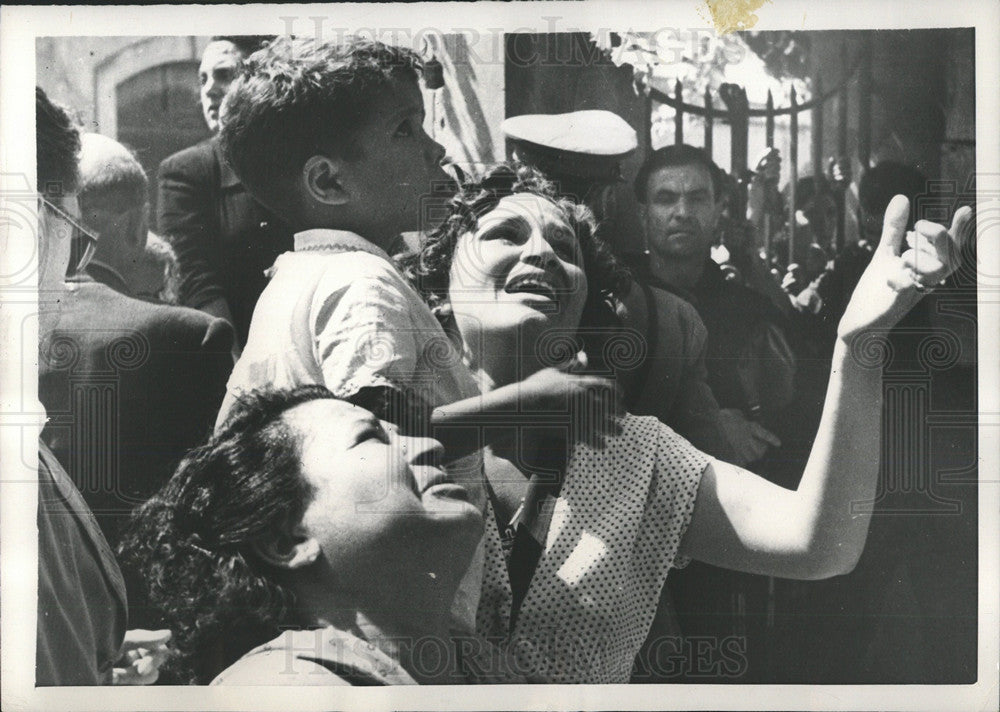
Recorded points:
429,268
192,542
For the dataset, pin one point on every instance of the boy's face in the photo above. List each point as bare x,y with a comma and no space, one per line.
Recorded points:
391,183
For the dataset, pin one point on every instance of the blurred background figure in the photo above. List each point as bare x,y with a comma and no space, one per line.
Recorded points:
826,293
224,239
157,276
129,385
82,610
113,203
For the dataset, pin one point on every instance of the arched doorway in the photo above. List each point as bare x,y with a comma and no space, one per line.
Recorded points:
158,114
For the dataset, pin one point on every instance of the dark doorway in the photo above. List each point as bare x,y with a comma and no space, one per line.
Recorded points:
158,114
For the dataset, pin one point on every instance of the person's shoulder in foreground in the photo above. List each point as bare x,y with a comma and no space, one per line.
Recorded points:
81,594
171,326
323,656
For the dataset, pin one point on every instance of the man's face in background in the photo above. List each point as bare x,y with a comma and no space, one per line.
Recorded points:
220,65
681,212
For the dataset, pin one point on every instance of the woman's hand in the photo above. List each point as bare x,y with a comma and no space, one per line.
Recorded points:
594,403
551,389
899,273
142,654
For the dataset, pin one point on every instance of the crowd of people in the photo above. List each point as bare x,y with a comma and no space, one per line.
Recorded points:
321,456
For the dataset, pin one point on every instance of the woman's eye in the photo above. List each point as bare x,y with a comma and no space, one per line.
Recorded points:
404,129
565,247
503,235
372,433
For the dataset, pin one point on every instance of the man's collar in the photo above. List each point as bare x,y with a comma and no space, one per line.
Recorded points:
227,179
326,240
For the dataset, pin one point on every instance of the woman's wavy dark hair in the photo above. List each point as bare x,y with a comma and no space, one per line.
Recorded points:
191,543
429,268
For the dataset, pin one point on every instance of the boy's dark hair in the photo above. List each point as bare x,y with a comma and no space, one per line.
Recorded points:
680,154
246,44
298,98
192,542
57,148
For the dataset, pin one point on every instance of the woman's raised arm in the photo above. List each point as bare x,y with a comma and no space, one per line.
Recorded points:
741,521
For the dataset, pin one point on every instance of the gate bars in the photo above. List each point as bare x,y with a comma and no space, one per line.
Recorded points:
738,112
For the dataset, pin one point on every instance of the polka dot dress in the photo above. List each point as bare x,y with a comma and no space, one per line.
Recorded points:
614,534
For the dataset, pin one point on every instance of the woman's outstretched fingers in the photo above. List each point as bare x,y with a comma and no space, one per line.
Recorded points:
935,241
963,227
897,214
937,249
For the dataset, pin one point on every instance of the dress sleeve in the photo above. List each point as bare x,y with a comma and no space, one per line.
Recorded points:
673,490
365,337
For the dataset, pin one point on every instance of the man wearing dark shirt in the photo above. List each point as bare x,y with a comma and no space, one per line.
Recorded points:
82,609
146,379
224,239
680,196
750,370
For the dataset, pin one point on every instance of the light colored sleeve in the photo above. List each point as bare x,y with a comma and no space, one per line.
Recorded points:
673,489
277,667
364,336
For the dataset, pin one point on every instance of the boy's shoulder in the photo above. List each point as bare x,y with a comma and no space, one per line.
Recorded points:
341,280
344,252
354,270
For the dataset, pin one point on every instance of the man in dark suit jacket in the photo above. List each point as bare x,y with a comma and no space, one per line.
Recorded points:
129,385
82,610
224,239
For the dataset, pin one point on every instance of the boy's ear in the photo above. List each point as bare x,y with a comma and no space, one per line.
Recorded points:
138,227
322,177
287,551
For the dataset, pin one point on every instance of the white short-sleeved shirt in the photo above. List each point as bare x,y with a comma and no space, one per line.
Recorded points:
614,534
338,313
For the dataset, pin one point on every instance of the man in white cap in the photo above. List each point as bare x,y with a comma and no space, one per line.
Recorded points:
581,152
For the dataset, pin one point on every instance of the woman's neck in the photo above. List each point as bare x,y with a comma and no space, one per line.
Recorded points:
407,631
496,366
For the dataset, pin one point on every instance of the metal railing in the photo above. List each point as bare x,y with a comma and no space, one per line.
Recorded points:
738,112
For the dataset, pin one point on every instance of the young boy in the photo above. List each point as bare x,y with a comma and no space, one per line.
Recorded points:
329,136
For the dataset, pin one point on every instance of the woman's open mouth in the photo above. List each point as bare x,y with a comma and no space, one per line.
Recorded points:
531,284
